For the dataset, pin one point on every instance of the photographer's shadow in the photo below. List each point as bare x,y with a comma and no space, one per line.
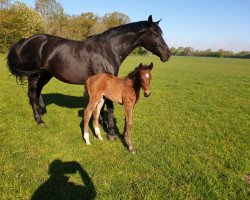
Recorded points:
59,187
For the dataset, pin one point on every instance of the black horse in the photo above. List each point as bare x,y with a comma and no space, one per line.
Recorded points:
43,56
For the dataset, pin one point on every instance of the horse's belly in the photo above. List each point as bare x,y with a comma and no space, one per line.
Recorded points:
70,75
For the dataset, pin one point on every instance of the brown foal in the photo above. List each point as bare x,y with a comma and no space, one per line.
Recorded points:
125,91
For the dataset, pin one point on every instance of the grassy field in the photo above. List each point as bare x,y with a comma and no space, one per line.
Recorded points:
191,136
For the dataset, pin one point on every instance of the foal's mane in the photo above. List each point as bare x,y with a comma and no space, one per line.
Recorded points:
133,74
140,26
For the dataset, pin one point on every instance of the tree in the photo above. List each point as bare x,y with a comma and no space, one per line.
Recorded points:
49,9
4,4
172,51
81,26
179,51
115,19
18,22
188,51
53,14
97,28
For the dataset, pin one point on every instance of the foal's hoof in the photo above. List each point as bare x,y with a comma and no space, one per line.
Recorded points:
132,150
100,138
112,137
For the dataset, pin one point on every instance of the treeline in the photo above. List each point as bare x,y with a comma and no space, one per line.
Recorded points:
18,21
189,51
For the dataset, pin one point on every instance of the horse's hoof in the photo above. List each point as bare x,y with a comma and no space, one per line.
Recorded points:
42,110
100,121
112,137
41,124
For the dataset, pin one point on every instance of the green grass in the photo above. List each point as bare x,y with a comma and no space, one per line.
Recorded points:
191,136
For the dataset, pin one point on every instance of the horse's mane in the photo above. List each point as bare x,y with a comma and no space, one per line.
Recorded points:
140,26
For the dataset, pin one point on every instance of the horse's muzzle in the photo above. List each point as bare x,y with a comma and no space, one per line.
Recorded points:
165,57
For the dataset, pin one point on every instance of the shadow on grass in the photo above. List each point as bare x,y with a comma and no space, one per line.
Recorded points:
68,101
58,185
63,100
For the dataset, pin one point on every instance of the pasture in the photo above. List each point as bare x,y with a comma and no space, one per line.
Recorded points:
191,137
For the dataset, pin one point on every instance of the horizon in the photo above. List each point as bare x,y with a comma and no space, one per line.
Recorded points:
201,25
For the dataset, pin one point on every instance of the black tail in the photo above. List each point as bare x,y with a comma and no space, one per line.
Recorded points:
21,66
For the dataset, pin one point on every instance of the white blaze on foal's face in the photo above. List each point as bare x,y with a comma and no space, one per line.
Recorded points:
147,75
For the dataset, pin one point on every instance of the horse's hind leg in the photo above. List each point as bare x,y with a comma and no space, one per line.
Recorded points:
42,81
32,86
111,126
96,115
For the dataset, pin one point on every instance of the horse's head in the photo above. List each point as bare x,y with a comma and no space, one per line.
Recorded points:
153,41
145,78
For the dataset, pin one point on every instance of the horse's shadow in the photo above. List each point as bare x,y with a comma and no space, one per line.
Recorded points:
68,101
63,100
58,185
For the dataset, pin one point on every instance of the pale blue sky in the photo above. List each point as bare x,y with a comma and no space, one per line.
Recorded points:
200,24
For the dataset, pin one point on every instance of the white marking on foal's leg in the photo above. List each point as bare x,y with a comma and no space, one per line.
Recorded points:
98,133
86,138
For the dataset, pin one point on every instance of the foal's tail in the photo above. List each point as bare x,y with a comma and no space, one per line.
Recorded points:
21,64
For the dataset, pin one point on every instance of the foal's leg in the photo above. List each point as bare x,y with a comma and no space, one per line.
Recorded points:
128,121
32,86
110,106
96,115
87,115
42,81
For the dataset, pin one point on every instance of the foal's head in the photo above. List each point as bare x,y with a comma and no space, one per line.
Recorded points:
145,77
142,77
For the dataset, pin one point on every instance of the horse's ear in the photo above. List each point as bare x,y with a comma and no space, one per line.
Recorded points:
151,66
158,21
140,65
150,20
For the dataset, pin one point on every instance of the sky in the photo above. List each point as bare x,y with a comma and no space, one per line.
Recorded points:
201,24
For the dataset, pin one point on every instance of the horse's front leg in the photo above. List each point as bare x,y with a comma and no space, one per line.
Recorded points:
128,121
111,125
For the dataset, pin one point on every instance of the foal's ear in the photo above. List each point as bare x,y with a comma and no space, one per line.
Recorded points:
150,66
140,65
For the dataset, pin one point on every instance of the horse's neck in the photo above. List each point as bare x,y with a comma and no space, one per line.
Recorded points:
125,44
121,45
